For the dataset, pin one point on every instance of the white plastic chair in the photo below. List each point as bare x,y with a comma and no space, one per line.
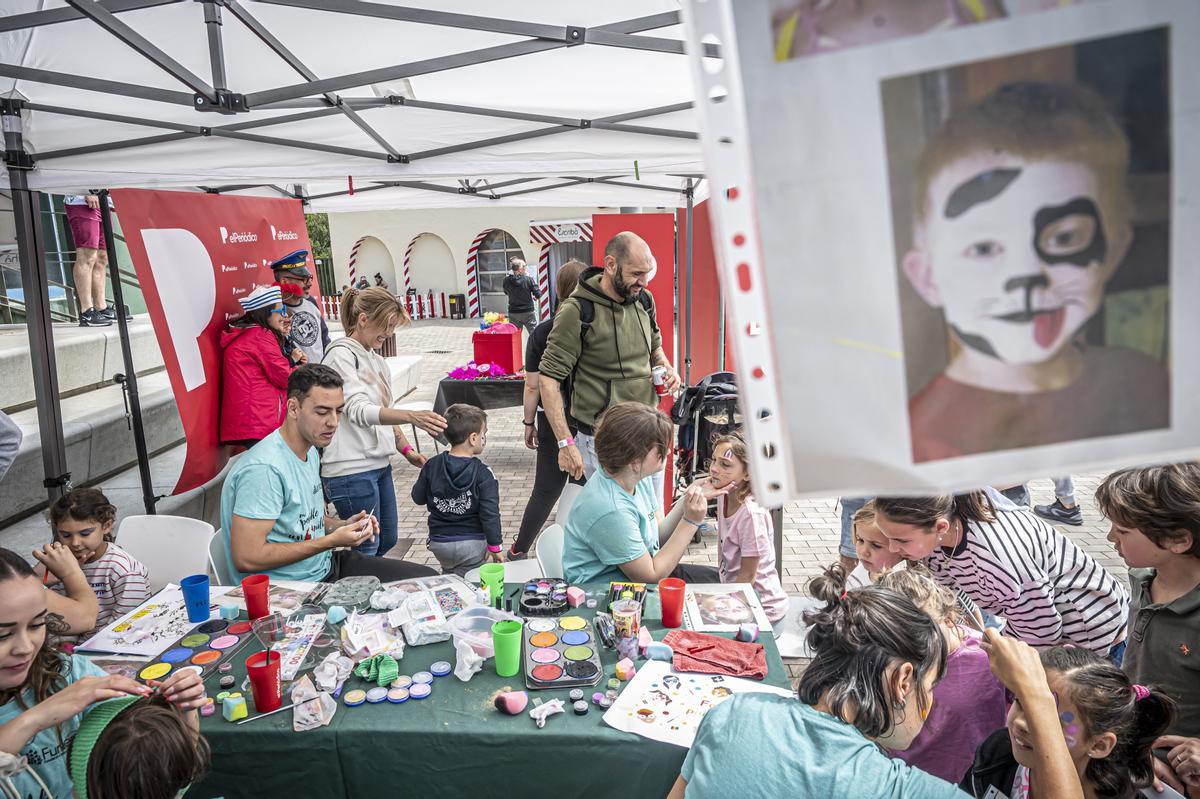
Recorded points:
517,571
566,499
170,547
418,405
550,550
222,570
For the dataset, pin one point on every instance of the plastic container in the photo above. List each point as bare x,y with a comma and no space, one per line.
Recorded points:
474,625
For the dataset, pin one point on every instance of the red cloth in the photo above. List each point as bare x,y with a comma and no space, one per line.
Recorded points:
254,383
712,654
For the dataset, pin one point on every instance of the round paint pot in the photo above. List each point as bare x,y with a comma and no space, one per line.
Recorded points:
225,668
605,703
419,690
355,698
377,695
614,684
227,681
576,694
155,671
531,587
422,677
560,586
441,668
591,604
209,708
403,681
558,597
581,708
610,695
596,697
221,697
397,695
543,590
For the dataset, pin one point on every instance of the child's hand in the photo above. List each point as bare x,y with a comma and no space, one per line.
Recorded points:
58,560
184,689
494,557
415,458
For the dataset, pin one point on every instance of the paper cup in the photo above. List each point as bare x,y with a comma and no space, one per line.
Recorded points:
257,588
670,593
265,684
195,597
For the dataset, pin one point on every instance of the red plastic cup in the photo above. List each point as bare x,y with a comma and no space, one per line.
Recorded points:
265,683
670,594
257,589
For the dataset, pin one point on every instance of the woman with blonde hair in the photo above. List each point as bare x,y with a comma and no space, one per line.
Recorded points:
356,467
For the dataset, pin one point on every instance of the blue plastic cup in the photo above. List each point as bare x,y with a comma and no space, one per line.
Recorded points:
195,597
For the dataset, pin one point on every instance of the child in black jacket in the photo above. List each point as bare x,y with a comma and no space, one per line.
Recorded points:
463,496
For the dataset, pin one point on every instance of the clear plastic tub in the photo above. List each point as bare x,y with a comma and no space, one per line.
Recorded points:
474,625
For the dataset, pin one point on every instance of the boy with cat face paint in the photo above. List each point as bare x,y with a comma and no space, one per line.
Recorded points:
1022,217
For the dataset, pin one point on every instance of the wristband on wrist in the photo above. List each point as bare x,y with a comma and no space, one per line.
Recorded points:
406,449
694,524
527,424
566,442
493,549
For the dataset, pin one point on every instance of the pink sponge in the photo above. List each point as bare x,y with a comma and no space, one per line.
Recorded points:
625,669
511,702
575,596
644,639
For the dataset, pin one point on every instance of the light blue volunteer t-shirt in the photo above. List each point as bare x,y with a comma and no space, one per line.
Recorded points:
763,745
270,482
46,752
607,527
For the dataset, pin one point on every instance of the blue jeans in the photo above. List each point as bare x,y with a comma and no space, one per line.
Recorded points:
369,491
850,506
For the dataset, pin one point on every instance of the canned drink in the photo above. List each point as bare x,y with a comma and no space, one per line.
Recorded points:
659,375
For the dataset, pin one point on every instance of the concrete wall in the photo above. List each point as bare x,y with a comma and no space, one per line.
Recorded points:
457,229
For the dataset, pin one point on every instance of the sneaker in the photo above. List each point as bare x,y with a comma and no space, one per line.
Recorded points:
110,313
93,318
510,556
1060,513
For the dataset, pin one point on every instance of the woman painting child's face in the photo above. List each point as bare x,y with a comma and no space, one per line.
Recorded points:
22,628
873,548
1081,745
85,539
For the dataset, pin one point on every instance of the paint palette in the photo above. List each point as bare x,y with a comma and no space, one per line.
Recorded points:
561,653
203,649
544,598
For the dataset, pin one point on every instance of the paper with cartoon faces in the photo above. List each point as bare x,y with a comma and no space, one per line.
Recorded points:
665,706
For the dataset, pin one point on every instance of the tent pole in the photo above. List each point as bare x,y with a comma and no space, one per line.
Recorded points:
31,250
687,304
130,380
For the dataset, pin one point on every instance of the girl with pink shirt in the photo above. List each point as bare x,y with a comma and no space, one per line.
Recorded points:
745,530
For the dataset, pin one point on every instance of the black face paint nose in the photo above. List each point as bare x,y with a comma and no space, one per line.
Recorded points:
1027,282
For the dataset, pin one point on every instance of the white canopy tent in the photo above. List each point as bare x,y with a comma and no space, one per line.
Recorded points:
436,103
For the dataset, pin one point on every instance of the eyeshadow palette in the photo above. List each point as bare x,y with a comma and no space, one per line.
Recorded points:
203,650
544,598
561,653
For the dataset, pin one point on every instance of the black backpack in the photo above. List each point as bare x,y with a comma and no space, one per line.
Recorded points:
587,314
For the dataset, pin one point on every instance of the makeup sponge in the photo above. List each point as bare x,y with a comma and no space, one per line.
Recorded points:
575,596
234,707
336,614
747,633
625,669
644,639
659,651
511,702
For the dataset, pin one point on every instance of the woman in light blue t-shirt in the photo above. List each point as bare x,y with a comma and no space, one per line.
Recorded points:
614,531
870,685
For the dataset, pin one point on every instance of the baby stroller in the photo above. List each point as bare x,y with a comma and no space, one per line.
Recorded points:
703,413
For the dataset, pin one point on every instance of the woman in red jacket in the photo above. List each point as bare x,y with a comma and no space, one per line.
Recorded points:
254,370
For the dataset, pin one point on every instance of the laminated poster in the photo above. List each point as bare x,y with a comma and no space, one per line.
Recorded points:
956,238
151,627
722,607
667,706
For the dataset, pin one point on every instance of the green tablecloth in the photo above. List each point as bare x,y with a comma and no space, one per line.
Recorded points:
454,743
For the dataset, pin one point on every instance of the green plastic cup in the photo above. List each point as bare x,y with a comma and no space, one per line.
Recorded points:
506,638
492,575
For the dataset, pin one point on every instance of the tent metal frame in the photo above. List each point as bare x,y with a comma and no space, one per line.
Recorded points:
312,97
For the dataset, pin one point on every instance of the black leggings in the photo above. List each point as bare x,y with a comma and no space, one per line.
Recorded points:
548,482
348,563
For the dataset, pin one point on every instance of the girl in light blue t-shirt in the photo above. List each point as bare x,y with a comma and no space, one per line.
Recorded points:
870,685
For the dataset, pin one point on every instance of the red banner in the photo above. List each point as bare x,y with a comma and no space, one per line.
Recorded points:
195,255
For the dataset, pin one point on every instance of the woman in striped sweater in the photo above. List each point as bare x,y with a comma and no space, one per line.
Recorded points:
1013,565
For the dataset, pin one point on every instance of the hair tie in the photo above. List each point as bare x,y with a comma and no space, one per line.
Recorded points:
1140,692
842,598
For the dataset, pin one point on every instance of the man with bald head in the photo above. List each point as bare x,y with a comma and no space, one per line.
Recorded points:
603,346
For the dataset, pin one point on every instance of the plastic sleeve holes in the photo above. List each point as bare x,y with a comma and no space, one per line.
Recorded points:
743,276
764,413
774,487
731,193
758,373
753,329
768,450
713,64
738,240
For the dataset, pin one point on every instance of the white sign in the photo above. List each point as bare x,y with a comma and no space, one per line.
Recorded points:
568,232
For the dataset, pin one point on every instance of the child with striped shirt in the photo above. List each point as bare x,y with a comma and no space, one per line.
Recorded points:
83,520
1013,565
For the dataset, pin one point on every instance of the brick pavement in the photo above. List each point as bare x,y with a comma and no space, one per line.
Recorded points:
810,528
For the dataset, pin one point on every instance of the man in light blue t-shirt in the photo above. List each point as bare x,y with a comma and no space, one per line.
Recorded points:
272,507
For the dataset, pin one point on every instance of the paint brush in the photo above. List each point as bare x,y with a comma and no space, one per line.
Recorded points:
270,713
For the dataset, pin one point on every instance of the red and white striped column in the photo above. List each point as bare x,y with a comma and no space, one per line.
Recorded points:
543,280
407,260
354,260
473,276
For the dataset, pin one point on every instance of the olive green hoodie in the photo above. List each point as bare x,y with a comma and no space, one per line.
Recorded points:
612,361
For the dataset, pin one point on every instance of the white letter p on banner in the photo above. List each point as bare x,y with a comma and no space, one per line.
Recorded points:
187,290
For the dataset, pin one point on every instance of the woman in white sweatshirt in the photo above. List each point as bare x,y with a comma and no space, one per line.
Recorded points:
356,466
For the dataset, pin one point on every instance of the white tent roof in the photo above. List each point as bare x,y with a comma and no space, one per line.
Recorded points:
87,68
